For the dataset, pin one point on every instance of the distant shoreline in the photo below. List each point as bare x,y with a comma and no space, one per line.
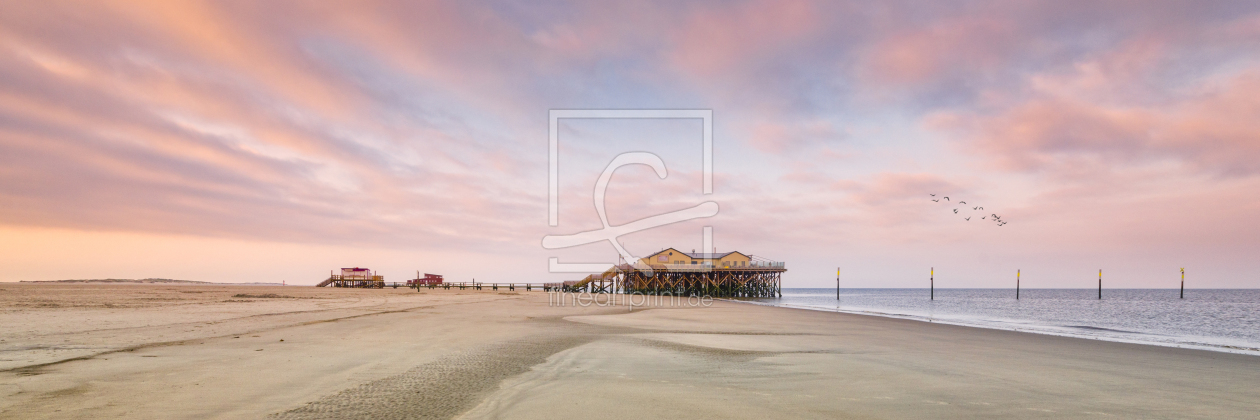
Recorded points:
170,282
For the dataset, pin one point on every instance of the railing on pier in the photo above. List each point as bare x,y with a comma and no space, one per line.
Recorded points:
752,266
758,278
751,279
476,286
354,281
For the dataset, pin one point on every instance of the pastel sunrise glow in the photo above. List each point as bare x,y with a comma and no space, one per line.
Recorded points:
242,141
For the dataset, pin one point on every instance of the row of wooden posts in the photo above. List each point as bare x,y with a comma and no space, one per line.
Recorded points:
546,287
932,284
479,286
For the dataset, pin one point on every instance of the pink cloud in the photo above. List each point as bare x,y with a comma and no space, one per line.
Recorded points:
714,42
913,55
1211,130
789,137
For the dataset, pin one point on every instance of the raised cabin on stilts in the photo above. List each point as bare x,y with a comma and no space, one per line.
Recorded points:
670,271
354,277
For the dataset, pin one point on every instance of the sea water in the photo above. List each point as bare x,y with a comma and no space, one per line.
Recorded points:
1221,319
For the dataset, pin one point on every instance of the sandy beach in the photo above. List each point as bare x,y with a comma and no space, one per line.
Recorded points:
115,351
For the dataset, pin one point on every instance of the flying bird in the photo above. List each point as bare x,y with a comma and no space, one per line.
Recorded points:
992,216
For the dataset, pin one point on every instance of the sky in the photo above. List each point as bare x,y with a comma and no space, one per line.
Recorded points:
244,141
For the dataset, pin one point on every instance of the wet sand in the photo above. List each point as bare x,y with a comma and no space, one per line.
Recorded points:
114,351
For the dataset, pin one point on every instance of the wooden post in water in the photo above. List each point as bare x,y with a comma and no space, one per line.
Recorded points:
932,284
1100,284
1017,284
1183,282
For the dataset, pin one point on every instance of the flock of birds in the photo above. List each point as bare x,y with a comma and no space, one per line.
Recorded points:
991,217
